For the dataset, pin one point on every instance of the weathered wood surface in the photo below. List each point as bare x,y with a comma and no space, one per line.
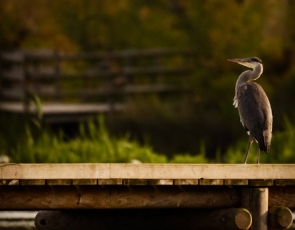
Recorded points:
262,174
282,196
117,197
172,219
89,196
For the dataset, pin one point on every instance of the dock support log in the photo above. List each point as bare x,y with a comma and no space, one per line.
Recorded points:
116,197
256,201
279,218
145,219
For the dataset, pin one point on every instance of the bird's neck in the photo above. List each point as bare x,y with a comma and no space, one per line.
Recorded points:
250,75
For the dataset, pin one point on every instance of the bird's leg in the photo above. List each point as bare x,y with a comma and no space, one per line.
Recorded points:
258,156
248,148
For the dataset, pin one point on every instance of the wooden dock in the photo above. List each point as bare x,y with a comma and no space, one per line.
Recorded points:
210,196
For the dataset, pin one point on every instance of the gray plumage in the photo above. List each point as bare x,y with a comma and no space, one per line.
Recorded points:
253,105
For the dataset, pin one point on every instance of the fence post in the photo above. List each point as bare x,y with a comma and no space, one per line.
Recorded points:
26,86
58,76
256,201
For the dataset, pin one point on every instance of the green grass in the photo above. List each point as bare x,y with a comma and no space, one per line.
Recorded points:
94,145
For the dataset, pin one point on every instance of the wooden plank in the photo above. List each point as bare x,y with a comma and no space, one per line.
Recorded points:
202,171
127,90
16,73
211,182
59,182
284,182
152,70
17,56
160,182
41,55
54,171
9,182
62,108
117,197
13,93
147,171
261,182
32,182
84,182
41,72
127,54
235,182
110,181
79,108
135,182
186,182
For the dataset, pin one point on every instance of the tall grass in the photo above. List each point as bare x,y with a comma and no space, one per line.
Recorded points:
94,145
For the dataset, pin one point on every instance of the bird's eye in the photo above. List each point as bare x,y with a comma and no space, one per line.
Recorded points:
255,59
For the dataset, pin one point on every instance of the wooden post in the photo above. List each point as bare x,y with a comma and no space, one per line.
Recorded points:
145,219
279,218
256,201
57,64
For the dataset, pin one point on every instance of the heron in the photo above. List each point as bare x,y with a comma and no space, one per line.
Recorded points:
253,105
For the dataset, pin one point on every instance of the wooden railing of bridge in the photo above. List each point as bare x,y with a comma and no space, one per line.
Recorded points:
157,196
74,86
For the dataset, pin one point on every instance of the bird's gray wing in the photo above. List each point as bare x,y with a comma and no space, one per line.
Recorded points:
255,113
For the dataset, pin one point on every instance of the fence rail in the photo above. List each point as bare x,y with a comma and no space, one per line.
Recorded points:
108,78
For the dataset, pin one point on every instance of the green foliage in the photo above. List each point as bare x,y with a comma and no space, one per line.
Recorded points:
187,158
281,151
93,145
283,145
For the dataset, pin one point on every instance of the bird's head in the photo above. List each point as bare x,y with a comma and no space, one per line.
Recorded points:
250,62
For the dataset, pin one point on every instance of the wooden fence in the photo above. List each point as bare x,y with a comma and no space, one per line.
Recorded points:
151,196
72,86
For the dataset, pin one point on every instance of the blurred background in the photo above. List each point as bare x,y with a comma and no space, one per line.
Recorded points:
198,126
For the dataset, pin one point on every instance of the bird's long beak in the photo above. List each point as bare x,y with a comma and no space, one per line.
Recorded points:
235,59
242,61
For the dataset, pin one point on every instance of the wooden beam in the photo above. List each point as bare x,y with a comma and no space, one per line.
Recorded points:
148,171
80,196
146,219
117,197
